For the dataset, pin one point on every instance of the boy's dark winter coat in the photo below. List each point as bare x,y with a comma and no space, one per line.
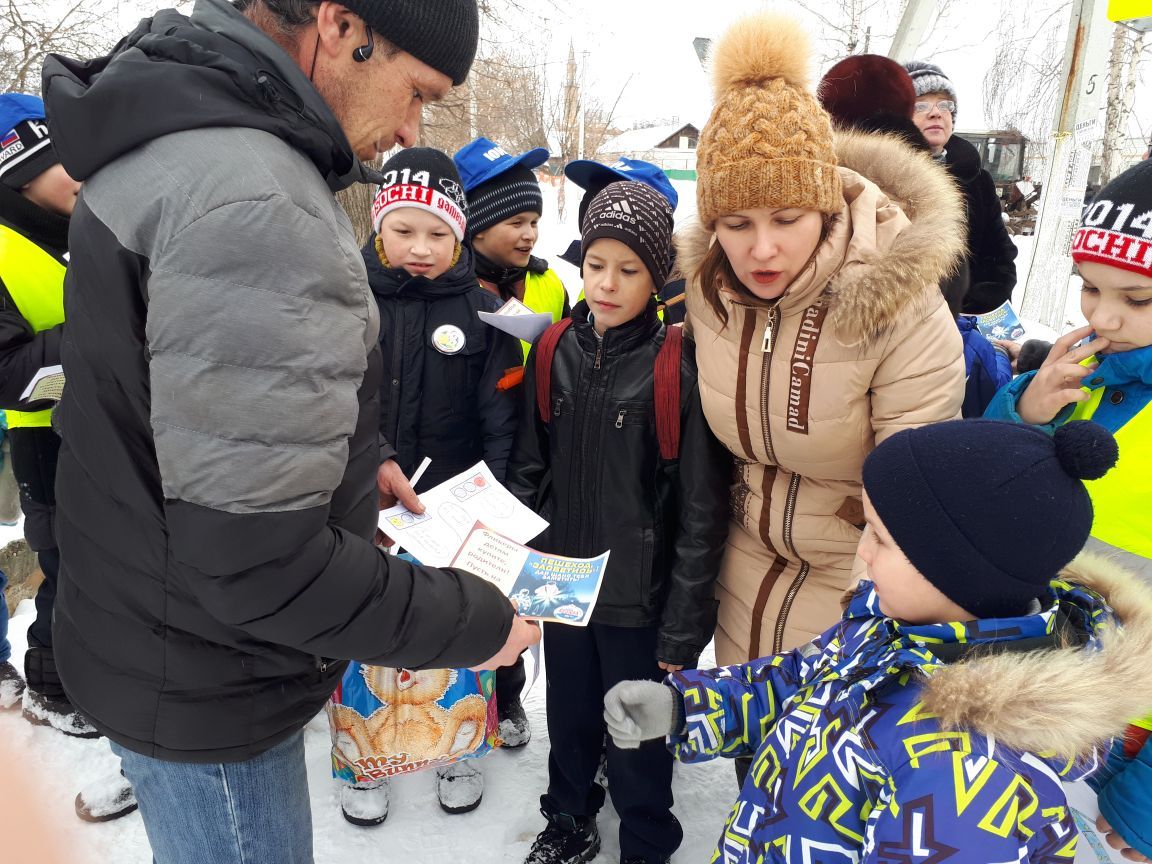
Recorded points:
443,406
594,472
991,252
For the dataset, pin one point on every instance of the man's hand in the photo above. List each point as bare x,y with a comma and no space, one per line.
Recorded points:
670,667
1117,842
522,635
394,488
1060,377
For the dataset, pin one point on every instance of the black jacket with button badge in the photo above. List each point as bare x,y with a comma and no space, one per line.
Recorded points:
442,402
594,471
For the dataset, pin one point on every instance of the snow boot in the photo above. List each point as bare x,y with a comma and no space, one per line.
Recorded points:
566,840
460,787
107,799
366,806
45,702
11,686
514,729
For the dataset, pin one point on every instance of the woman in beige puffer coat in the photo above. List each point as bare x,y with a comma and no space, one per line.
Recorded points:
805,367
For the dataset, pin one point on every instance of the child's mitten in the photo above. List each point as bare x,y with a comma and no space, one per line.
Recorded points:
638,711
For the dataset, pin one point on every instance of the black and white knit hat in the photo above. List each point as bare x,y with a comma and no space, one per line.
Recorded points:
930,78
425,179
502,197
441,33
1116,224
639,217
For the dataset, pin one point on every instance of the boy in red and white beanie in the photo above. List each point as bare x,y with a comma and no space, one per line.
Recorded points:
438,389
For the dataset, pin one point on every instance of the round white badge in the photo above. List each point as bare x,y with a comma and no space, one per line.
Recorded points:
448,339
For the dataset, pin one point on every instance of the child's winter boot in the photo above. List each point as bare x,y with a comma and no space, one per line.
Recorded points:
365,806
11,686
566,840
460,787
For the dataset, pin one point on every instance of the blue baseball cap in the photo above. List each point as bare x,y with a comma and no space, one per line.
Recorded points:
585,173
480,160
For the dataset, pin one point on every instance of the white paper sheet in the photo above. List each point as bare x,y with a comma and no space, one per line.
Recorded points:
452,509
518,320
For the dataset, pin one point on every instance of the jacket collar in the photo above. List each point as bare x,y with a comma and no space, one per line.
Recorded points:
37,224
174,73
396,281
616,340
1126,368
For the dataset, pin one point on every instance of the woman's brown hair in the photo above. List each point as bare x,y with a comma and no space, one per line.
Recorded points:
716,274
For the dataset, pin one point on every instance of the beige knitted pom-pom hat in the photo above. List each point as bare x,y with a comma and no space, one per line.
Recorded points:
768,142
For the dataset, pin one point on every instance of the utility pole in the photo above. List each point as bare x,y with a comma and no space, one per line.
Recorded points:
1075,131
910,34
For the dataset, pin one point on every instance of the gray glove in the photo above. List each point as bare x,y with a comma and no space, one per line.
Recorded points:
638,711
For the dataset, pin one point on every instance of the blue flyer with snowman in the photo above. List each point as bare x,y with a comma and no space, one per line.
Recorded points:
546,587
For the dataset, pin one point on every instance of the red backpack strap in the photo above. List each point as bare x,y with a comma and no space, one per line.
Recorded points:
545,351
667,395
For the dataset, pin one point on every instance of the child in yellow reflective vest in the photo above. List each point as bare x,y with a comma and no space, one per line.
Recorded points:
1108,377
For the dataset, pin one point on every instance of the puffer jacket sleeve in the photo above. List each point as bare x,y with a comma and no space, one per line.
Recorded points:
23,354
920,378
729,710
1126,801
256,360
703,469
1004,405
937,812
528,464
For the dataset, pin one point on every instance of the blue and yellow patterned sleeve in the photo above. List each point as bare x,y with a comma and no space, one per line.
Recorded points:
729,710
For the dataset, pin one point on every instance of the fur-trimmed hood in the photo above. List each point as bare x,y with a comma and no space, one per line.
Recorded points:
880,272
1065,701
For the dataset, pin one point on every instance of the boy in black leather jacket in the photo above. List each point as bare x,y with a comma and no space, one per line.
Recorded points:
595,470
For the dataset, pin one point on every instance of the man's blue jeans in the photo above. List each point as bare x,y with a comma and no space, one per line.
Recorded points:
253,812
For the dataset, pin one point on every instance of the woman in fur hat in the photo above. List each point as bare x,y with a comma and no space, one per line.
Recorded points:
814,300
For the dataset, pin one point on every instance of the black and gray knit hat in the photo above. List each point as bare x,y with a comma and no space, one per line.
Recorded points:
639,217
930,78
514,191
441,33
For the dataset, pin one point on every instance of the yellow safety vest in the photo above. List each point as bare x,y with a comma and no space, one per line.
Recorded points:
35,280
544,292
1120,497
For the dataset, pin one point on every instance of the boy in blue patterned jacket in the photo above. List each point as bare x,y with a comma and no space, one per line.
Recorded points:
975,668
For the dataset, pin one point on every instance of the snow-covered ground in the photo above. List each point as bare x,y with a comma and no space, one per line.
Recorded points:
417,831
8,533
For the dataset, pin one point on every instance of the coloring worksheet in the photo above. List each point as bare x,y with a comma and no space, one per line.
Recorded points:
452,509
